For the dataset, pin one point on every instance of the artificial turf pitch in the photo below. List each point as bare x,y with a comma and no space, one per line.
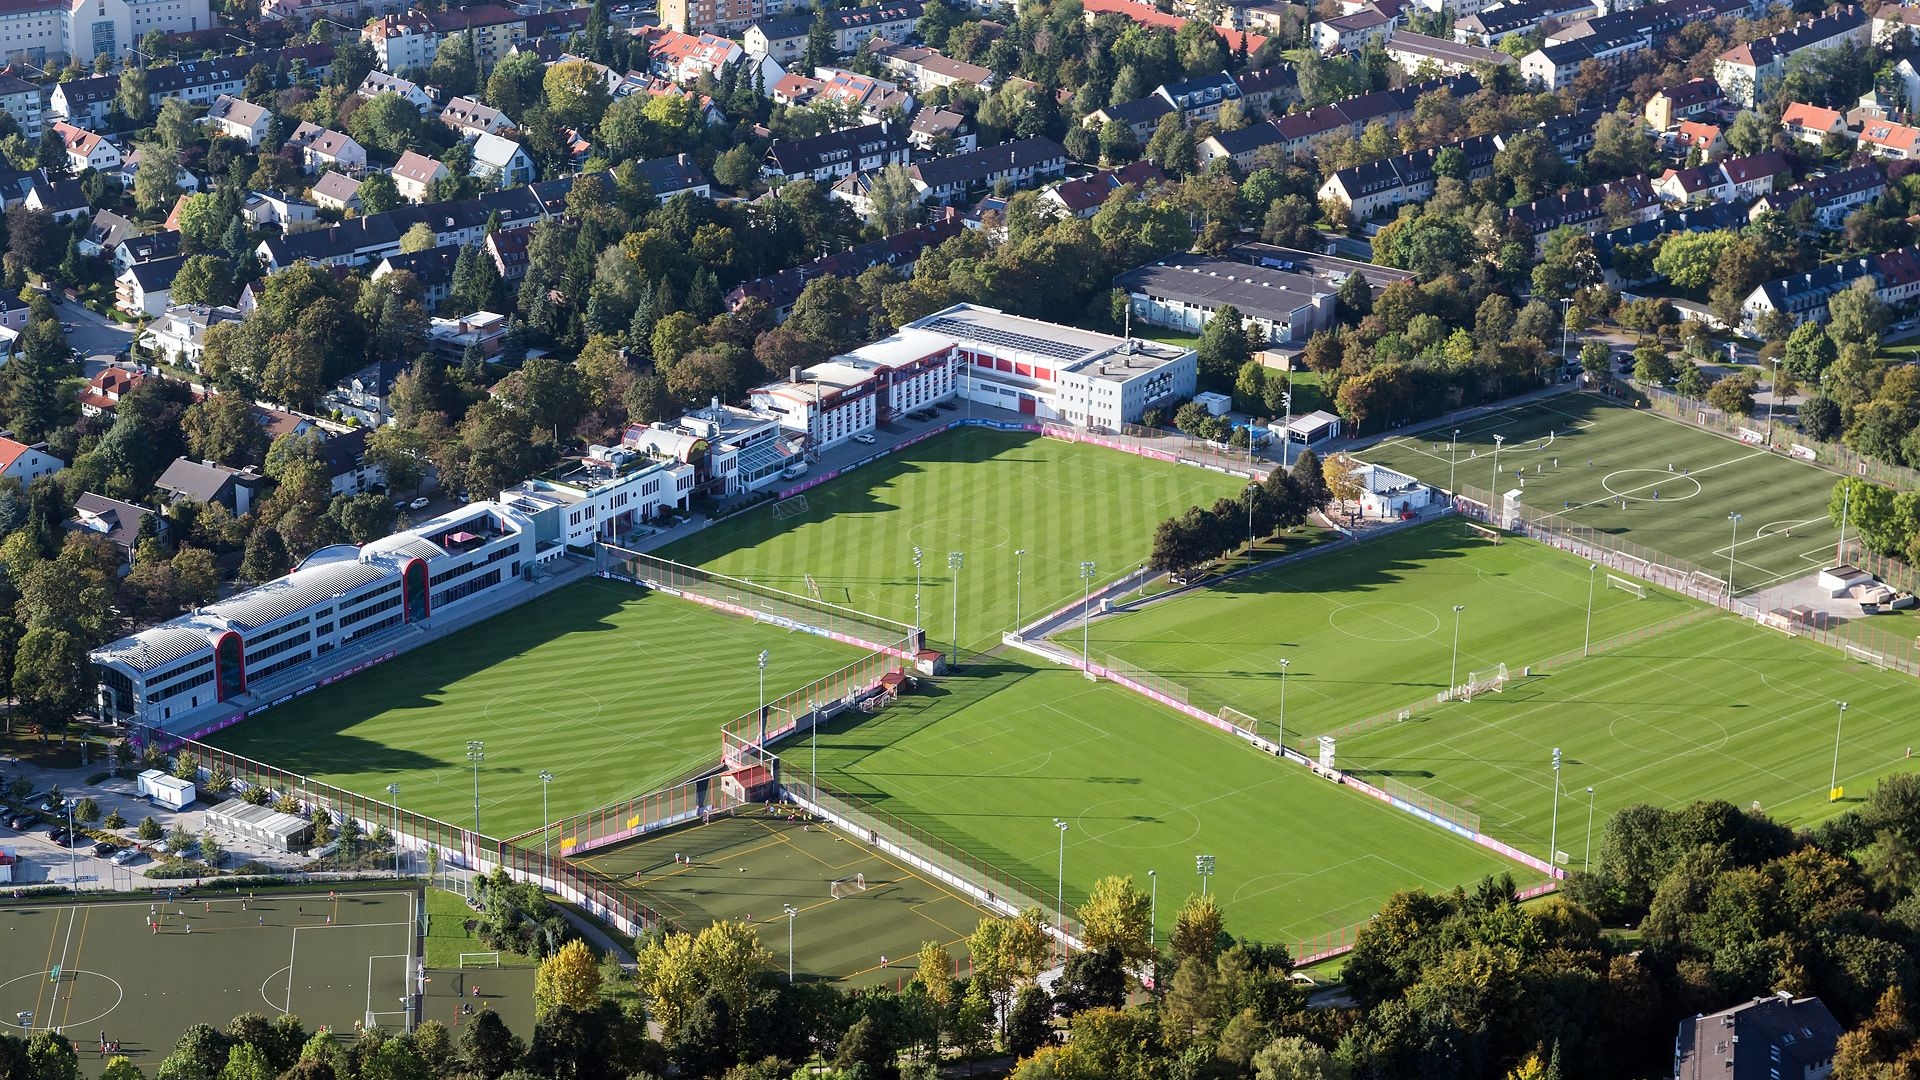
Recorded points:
1369,629
278,954
986,762
749,868
613,689
1785,532
984,494
1717,709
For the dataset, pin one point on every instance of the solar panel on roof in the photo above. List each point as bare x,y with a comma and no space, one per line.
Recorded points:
961,328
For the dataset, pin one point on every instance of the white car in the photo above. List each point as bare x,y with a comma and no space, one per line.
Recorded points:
418,504
864,439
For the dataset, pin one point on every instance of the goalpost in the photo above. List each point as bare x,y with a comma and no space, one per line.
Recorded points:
840,887
788,508
479,959
1491,681
1235,717
1482,532
1614,581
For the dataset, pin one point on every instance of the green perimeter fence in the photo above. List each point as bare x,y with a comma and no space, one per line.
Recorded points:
769,605
1777,607
445,843
1762,433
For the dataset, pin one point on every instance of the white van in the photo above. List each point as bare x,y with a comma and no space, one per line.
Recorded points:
794,471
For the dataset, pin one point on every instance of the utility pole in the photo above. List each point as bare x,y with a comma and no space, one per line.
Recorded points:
393,793
1086,616
955,560
1019,560
476,753
546,818
1553,836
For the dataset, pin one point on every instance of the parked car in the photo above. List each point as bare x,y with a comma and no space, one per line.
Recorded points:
419,503
863,439
949,404
22,821
125,856
103,848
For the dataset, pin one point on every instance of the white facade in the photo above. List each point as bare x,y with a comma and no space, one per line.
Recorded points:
25,463
48,32
601,498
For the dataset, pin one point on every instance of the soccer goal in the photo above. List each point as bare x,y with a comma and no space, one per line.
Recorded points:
479,959
1233,716
1491,681
1614,581
790,508
840,887
1482,532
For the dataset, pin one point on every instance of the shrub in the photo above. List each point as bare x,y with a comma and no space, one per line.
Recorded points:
114,821
149,829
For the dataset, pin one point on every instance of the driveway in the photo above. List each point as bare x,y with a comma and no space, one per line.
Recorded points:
93,333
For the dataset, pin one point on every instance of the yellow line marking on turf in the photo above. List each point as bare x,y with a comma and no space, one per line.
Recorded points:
48,966
67,1013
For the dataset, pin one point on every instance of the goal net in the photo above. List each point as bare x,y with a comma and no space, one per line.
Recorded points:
787,508
1706,583
1634,587
479,959
1491,681
1481,532
839,887
1238,719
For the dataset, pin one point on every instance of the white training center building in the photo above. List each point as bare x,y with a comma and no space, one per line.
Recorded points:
1025,366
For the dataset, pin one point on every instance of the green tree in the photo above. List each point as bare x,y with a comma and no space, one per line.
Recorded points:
1115,915
569,978
156,180
1223,349
37,400
378,194
203,279
386,122
133,99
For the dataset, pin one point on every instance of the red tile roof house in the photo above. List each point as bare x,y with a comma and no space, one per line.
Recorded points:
27,463
104,391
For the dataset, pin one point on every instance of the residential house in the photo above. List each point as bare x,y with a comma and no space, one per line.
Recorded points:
362,396
1199,99
279,209
1271,89
103,392
415,174
345,456
1895,275
853,27
27,462
501,162
941,131
239,119
470,119
782,39
1689,136
1734,179
1147,15
1769,1038
1184,291
22,101
120,522
145,248
14,312
725,16
86,149
1812,124
323,148
179,335
1017,165
48,33
84,102
1295,133
1083,197
1555,66
337,191
1896,27
927,68
683,58
1380,186
141,290
107,232
1832,196
1491,25
64,199
1424,57
669,176
1745,72
197,82
1588,209
1896,142
359,241
1354,32
381,82
1140,116
1672,104
836,154
208,482
508,249
411,40
432,268
451,338
1609,246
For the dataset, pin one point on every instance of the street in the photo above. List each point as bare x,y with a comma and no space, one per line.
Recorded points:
93,334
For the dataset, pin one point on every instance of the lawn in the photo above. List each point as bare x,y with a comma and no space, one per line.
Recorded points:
327,961
752,867
987,762
1370,628
988,495
1718,709
612,689
1584,456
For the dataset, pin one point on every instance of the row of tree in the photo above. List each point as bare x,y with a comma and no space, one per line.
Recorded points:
1282,501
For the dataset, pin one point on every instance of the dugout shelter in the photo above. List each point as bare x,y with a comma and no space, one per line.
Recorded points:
263,825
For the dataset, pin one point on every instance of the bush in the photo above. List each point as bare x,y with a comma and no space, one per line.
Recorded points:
179,840
184,768
211,852
114,821
255,795
220,781
149,829
86,811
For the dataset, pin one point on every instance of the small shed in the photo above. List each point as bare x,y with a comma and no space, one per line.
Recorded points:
1385,493
1840,580
7,861
282,832
1313,428
753,783
1217,404
167,790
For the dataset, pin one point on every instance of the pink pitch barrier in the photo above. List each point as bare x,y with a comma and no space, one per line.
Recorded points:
776,620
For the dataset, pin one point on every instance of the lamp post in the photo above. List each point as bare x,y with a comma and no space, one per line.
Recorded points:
1587,647
1587,859
1060,887
813,737
1285,663
1203,865
1286,432
1494,492
791,912
955,560
546,818
73,853
1452,465
1086,616
1566,324
1833,785
1773,402
1453,669
393,794
1019,560
1736,519
1248,494
762,714
1153,908
476,753
1553,835
917,554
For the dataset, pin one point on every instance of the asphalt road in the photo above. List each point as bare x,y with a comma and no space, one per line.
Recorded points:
93,334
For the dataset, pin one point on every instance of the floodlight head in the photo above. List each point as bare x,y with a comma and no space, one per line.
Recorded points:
393,789
1843,706
1458,608
763,658
790,910
1735,518
546,777
1285,663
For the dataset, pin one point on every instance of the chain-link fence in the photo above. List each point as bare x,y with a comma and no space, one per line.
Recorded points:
1764,432
764,603
1432,804
798,710
576,834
